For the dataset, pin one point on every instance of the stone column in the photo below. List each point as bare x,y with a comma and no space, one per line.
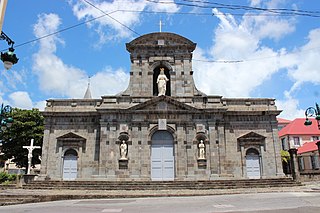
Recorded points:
294,164
262,161
243,162
213,152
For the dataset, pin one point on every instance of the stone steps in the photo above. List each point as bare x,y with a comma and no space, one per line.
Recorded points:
40,191
17,199
160,185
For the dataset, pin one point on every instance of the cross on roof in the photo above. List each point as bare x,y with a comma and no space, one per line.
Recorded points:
160,25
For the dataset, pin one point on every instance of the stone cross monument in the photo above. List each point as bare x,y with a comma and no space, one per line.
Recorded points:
30,149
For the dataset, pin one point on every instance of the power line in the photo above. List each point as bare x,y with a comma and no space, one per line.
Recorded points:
132,11
181,13
220,61
200,14
111,17
212,5
233,6
62,30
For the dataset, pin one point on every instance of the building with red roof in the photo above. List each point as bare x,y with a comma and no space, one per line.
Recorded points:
308,147
295,134
308,158
282,123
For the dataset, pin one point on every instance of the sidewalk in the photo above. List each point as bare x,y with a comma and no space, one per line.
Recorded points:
10,195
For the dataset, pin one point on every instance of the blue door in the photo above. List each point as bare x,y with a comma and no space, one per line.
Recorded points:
70,169
162,156
253,166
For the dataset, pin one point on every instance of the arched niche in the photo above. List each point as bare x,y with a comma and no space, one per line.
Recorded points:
156,72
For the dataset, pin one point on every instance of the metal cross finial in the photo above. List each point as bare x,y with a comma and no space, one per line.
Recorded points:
160,25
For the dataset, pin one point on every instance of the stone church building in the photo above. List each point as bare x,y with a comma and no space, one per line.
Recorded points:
161,127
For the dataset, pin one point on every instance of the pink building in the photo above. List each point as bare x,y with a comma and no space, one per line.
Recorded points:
295,133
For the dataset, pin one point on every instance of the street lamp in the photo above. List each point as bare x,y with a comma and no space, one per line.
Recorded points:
8,58
312,112
5,120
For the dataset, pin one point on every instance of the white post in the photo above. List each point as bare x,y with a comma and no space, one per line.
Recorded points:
3,5
30,149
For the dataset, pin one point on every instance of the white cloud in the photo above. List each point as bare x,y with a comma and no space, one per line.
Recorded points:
20,99
308,63
268,26
118,19
85,11
164,6
59,79
108,82
243,40
235,40
290,108
40,105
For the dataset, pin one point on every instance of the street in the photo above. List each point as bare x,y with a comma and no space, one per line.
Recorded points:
263,202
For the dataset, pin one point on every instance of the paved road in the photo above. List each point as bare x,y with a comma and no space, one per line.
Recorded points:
265,202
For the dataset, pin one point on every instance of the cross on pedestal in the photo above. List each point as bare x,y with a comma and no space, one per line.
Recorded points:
30,149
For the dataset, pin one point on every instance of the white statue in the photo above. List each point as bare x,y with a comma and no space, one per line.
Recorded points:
202,150
30,149
162,82
123,150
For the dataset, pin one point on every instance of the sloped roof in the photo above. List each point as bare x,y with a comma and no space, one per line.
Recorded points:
297,127
283,121
308,147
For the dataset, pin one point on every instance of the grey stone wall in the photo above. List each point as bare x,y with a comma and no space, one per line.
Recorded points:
94,128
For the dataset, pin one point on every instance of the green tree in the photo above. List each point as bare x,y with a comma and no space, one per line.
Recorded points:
27,125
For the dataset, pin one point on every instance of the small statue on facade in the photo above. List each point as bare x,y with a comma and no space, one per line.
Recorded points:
202,150
162,82
123,150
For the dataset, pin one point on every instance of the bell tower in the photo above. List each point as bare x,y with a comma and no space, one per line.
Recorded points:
152,52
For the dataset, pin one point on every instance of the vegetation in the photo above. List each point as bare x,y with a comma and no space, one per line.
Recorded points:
27,125
285,156
6,178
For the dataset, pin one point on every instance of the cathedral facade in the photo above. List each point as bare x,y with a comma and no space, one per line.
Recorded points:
161,128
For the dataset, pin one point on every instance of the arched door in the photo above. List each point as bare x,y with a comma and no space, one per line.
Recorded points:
162,156
70,168
253,164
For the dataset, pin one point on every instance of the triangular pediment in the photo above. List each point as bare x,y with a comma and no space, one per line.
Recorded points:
163,103
70,136
251,136
251,139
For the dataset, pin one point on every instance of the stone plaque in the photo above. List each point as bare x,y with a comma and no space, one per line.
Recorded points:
124,127
200,128
162,124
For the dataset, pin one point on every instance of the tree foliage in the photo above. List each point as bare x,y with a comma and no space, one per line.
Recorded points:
285,156
27,125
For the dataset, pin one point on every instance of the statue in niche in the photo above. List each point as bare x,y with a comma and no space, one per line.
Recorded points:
162,82
202,150
123,150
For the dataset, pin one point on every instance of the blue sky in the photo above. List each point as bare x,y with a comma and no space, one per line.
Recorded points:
240,53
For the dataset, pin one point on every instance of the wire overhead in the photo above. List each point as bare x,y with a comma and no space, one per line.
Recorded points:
212,5
111,17
192,3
